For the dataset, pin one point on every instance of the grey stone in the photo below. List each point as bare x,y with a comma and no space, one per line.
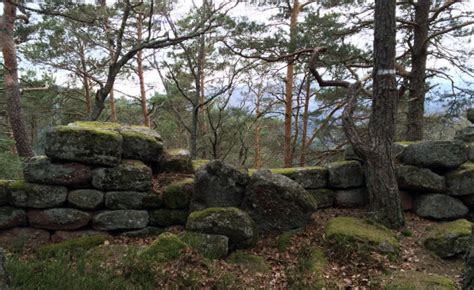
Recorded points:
58,219
357,197
40,169
461,181
125,199
465,135
129,175
218,184
120,220
176,160
270,200
144,233
232,222
141,143
324,197
449,239
313,177
470,147
209,246
419,179
345,174
24,194
90,145
439,207
86,198
436,154
168,217
11,217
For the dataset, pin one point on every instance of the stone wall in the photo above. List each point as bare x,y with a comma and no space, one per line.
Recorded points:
95,177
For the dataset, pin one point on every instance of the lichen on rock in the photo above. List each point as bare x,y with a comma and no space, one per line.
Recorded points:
449,239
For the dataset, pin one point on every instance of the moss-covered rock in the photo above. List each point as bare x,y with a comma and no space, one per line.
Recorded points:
86,198
11,217
178,195
4,191
129,175
349,234
76,246
41,169
436,154
324,197
439,207
58,218
345,174
461,181
449,239
210,246
176,160
90,145
120,220
198,163
412,280
125,199
253,263
228,221
168,217
23,194
165,248
311,177
351,198
110,256
142,143
419,179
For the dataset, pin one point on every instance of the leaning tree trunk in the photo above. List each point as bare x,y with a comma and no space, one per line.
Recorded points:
419,54
384,197
11,83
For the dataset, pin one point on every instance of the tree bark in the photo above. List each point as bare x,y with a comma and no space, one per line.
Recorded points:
11,83
143,101
258,151
85,79
287,156
384,197
419,54
305,122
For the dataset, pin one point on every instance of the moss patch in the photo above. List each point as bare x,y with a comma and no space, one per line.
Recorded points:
178,195
253,263
210,246
308,273
74,247
96,125
284,239
419,281
350,234
449,239
165,248
199,163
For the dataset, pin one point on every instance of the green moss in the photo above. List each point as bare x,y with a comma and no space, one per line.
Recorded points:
468,165
198,215
459,227
253,263
18,185
165,248
178,194
284,239
76,246
406,233
353,234
98,131
419,281
137,135
210,246
199,163
311,264
449,239
96,125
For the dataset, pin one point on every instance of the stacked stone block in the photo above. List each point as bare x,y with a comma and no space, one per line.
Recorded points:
95,177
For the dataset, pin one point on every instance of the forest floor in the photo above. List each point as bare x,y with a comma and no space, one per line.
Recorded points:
280,266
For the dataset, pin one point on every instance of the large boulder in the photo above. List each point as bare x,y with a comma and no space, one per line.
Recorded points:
125,199
120,220
129,175
440,155
461,182
17,239
86,198
348,234
90,145
350,198
465,135
439,207
217,184
232,222
40,169
271,198
209,246
178,195
168,217
418,280
11,217
309,177
176,160
142,143
23,194
345,174
58,219
419,179
449,239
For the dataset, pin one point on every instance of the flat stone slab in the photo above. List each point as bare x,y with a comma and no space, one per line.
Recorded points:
40,169
23,194
141,143
324,197
313,177
125,199
176,160
439,207
86,199
120,220
90,145
351,198
441,155
129,175
345,174
461,182
58,219
417,179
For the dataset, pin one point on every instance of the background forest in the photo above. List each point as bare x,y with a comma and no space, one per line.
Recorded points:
232,80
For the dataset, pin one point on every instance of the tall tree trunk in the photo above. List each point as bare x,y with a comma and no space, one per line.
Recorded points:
202,77
11,83
419,54
258,152
384,197
143,101
287,156
85,79
194,132
305,122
